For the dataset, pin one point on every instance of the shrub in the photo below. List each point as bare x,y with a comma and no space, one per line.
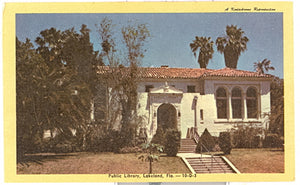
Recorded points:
142,137
207,140
256,142
99,141
246,137
272,141
152,153
159,137
225,142
172,142
59,144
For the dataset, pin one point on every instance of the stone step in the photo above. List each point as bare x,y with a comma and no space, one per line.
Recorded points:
187,146
185,152
209,165
188,150
205,163
182,145
208,162
188,141
211,168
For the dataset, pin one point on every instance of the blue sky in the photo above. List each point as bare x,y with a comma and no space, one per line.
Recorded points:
172,33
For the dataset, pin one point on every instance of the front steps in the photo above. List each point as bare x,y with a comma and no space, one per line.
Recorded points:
209,165
198,163
187,146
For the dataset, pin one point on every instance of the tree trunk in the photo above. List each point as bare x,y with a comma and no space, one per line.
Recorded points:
203,63
231,58
150,167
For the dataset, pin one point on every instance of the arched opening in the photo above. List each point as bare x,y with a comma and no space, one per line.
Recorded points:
252,104
236,102
221,103
166,117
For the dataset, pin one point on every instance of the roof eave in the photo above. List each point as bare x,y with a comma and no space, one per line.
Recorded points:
244,78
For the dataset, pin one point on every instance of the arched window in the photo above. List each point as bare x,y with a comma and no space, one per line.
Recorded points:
221,103
252,109
236,103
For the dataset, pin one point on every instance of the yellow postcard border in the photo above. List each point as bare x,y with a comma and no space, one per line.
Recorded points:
140,7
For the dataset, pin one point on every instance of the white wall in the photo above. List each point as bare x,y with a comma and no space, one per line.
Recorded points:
205,102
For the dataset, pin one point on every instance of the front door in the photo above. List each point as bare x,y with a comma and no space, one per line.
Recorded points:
166,117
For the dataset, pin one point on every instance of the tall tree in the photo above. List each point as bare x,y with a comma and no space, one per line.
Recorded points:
123,75
108,77
205,47
134,37
277,107
29,124
263,66
55,85
54,99
71,57
232,45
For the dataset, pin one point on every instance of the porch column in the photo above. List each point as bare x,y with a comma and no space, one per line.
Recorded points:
229,106
258,101
245,106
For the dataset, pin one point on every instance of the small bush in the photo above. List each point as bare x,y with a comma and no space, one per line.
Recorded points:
246,137
99,141
272,141
225,142
63,148
207,140
159,137
142,137
172,142
256,142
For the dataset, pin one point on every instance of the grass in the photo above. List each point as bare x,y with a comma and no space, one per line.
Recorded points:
258,160
246,161
98,163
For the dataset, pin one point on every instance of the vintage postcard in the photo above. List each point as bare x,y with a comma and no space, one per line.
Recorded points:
148,92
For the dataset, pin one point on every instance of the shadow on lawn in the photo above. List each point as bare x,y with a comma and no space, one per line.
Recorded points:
40,158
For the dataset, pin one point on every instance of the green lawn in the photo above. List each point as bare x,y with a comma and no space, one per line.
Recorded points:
246,161
258,160
98,163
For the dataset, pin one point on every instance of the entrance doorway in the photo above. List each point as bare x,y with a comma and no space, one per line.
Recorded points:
166,117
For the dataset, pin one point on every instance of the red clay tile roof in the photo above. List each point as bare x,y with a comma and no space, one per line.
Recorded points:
188,73
229,72
165,72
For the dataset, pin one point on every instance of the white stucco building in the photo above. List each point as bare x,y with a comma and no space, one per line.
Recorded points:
202,98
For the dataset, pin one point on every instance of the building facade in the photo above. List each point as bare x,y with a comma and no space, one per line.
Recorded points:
217,100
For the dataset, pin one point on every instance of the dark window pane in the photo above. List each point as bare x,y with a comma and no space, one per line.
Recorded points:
222,108
236,92
251,92
221,92
252,108
191,88
236,108
201,114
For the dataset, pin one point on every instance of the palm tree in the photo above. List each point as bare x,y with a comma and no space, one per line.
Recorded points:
232,45
205,47
263,66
